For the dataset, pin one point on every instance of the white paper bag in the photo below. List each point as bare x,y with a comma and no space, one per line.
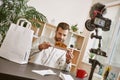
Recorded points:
17,43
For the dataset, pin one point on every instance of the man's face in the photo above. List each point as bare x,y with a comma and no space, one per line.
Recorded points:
61,35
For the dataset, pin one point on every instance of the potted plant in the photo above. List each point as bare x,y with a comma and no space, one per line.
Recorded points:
12,10
74,28
91,55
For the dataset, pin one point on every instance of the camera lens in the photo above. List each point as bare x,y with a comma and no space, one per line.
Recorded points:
89,26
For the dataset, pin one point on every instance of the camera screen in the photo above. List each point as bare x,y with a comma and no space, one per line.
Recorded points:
99,22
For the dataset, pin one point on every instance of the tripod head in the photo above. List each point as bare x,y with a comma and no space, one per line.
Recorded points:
97,51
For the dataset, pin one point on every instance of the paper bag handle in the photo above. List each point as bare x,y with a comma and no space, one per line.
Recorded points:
22,21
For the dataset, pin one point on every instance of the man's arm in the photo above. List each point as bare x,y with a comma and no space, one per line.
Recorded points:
35,45
44,45
65,61
67,67
39,44
69,57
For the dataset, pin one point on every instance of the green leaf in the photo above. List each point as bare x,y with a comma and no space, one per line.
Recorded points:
12,10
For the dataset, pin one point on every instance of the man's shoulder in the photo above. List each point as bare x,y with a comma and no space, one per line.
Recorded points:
48,39
45,37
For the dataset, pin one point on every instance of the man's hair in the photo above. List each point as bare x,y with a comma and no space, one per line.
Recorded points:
63,25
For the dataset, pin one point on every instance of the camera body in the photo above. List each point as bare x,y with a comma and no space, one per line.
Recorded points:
102,22
98,22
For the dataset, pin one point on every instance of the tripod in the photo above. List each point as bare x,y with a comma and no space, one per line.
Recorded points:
97,51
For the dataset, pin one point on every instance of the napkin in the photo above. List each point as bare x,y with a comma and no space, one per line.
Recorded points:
65,76
44,72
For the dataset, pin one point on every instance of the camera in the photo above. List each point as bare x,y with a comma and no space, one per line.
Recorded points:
97,20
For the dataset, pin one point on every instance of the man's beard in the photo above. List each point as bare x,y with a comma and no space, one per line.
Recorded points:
59,39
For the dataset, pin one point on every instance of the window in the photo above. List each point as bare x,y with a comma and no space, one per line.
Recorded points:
114,58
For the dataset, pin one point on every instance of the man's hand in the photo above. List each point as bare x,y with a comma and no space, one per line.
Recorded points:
44,45
69,56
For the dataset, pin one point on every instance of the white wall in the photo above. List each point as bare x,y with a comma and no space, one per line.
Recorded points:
0,3
70,11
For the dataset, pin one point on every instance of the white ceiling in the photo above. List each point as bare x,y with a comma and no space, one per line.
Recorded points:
104,1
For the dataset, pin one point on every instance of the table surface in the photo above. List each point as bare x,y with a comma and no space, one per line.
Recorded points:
17,71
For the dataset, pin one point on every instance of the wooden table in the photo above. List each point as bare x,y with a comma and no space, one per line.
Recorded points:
14,71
